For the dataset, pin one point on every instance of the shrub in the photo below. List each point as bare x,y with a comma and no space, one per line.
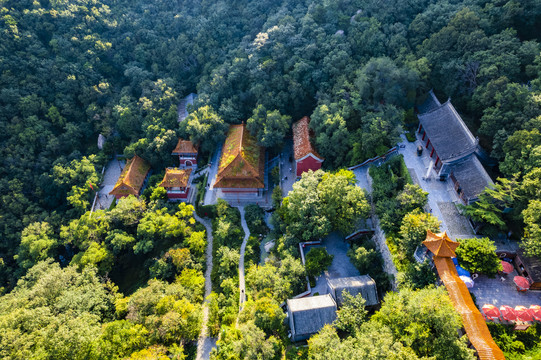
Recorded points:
253,252
255,219
418,276
207,211
369,261
317,261
413,230
478,256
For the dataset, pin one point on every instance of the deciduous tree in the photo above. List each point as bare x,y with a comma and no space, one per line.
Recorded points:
478,255
37,243
413,230
532,231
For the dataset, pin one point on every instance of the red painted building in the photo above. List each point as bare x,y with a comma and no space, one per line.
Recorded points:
177,183
306,157
186,152
132,178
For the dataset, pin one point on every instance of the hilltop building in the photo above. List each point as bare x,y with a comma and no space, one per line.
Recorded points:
132,179
306,157
308,315
241,172
186,152
453,148
177,183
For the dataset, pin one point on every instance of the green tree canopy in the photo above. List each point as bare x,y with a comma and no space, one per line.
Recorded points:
247,342
352,313
426,321
478,255
317,261
37,243
205,127
374,342
56,312
532,232
321,202
413,230
269,127
266,314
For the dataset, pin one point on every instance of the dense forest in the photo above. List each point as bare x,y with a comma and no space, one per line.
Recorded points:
71,70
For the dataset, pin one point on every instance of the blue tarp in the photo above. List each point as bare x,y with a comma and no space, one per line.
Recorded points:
462,272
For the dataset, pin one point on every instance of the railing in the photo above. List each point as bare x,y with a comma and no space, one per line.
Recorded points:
383,157
301,248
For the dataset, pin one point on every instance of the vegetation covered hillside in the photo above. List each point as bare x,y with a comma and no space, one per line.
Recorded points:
75,285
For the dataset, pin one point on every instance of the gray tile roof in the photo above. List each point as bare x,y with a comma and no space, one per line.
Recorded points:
533,265
310,314
447,132
431,103
472,177
363,285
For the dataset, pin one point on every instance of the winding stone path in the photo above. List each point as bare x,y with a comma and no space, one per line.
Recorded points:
205,343
242,286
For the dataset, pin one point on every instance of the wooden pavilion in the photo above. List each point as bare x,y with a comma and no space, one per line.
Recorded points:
177,183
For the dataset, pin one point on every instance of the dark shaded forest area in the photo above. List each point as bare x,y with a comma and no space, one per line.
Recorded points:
73,69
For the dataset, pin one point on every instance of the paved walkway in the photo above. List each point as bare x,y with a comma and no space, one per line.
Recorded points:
110,177
361,175
210,195
498,293
287,168
341,265
439,192
205,343
242,285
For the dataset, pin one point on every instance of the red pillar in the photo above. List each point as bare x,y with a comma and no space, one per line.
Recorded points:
428,143
432,152
424,134
437,160
420,128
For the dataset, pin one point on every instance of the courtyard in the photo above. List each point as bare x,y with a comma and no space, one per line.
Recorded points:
341,265
497,292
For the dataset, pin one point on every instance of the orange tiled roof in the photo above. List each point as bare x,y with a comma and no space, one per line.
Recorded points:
242,164
440,244
474,323
132,177
184,147
301,139
175,178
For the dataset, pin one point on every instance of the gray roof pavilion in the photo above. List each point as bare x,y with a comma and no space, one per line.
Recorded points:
355,285
472,177
308,315
431,103
446,130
